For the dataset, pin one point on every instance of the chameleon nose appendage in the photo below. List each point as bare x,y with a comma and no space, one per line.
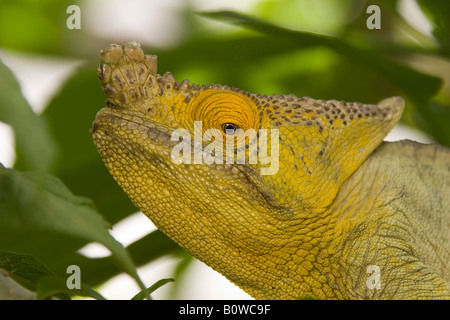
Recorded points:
124,72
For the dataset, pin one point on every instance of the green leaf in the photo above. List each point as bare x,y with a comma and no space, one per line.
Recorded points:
40,204
420,87
147,249
11,290
49,286
435,119
35,145
180,274
146,292
40,27
438,11
24,268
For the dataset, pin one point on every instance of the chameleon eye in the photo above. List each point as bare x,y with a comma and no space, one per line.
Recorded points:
225,111
229,128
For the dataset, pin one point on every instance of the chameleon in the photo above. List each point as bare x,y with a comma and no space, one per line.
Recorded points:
345,215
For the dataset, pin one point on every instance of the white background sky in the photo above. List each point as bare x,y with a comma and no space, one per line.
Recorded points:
40,78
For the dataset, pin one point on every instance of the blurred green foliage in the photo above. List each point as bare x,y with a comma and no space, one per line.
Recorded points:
321,49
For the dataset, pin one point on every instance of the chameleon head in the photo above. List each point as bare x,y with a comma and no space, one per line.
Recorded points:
231,176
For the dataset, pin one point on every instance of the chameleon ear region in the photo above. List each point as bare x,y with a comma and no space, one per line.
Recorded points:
122,69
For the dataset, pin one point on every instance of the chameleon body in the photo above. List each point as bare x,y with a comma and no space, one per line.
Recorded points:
345,215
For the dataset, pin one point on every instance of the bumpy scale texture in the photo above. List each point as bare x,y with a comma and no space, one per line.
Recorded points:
340,203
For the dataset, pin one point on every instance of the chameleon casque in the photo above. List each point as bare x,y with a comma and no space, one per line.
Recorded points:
341,202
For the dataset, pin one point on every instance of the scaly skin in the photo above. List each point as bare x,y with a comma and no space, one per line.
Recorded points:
340,201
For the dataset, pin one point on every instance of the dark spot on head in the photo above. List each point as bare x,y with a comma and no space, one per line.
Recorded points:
309,123
109,104
119,81
122,97
109,90
140,70
342,116
320,128
326,108
100,74
360,115
94,128
130,76
278,123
